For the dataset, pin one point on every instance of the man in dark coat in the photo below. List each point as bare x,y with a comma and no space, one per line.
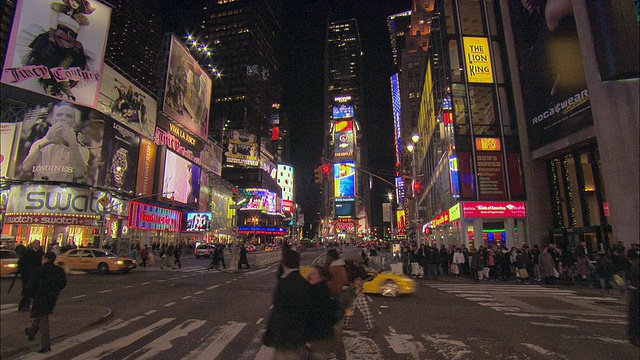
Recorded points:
243,257
44,287
28,263
290,322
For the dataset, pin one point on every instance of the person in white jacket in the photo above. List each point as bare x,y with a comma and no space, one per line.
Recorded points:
458,260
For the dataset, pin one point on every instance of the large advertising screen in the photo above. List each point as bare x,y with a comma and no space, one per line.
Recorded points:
345,208
120,152
57,49
62,142
343,144
397,112
343,111
187,90
262,200
181,179
554,88
125,102
242,149
198,221
344,179
7,138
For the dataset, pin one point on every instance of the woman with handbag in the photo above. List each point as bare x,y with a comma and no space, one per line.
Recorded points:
458,262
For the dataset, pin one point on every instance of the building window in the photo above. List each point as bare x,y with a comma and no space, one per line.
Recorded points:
471,17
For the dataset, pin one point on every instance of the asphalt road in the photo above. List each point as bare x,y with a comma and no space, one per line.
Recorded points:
193,313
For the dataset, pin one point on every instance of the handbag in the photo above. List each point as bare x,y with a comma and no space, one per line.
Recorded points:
454,269
556,273
523,273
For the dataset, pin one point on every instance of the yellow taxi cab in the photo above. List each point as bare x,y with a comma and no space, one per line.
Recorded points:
384,283
269,248
99,260
9,262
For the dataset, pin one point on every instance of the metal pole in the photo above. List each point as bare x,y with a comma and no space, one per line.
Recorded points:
415,198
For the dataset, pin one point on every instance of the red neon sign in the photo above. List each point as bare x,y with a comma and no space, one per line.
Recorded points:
494,209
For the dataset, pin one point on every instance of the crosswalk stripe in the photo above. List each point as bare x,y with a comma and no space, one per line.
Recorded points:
117,344
221,338
164,342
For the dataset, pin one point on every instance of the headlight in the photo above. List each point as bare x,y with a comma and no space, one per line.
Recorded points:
12,265
120,262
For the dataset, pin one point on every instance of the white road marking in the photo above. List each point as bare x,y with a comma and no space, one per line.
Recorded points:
198,292
150,312
554,325
405,344
186,297
169,304
128,287
539,349
163,342
213,287
105,291
146,283
601,338
217,342
79,296
265,353
506,308
259,321
109,348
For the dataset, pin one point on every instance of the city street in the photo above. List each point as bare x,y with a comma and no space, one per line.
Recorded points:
192,313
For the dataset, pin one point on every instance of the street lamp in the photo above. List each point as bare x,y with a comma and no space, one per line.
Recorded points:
411,147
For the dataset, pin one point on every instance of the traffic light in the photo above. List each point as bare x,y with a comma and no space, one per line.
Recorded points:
319,179
416,187
325,169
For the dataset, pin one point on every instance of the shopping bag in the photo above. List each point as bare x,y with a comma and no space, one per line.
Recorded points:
415,269
523,273
556,273
454,269
396,268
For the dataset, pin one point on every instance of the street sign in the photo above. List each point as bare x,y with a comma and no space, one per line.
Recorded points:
234,231
101,222
104,201
415,221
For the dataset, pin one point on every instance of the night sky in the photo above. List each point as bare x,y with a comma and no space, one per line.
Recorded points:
304,28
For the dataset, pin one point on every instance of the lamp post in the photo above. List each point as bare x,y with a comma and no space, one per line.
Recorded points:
411,147
390,195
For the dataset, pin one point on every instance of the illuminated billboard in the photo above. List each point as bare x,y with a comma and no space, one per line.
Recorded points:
345,208
478,59
344,179
7,137
126,103
242,149
198,221
120,151
343,111
181,179
57,50
397,129
285,181
343,144
187,90
262,200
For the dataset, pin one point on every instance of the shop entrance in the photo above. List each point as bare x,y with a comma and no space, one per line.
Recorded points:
595,238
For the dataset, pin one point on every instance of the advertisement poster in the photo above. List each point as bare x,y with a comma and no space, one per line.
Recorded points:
343,139
57,49
478,59
491,184
343,111
181,179
60,142
7,136
263,200
242,149
125,102
344,179
211,158
146,167
187,90
554,88
476,209
149,217
120,150
345,208
198,221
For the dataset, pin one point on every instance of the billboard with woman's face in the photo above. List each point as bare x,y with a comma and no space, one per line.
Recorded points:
181,179
56,48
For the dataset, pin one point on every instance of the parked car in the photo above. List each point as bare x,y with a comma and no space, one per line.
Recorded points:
99,260
204,250
9,261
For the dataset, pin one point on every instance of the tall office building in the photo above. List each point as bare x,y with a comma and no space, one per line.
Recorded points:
345,199
135,41
244,39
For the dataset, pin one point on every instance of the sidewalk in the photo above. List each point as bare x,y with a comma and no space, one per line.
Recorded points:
66,320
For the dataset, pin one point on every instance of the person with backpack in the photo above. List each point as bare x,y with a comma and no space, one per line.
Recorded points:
357,275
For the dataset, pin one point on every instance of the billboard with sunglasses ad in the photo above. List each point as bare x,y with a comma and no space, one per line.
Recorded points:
57,48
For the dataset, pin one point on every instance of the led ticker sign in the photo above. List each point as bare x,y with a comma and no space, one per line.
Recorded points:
495,209
149,217
344,179
261,230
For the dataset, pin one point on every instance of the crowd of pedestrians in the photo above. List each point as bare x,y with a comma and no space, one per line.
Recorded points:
309,315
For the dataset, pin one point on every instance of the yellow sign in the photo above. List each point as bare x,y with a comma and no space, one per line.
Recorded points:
454,212
478,59
488,144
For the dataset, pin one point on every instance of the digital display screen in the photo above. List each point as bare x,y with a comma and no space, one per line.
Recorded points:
198,221
344,179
